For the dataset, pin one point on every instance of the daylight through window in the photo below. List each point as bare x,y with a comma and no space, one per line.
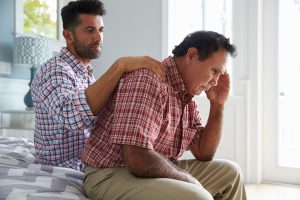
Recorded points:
40,17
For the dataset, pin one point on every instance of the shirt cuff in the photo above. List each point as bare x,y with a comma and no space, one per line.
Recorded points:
84,110
137,140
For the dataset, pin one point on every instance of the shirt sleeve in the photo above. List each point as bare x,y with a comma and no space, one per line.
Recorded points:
138,110
197,124
59,95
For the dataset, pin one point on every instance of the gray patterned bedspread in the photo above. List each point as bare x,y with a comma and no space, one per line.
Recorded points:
22,178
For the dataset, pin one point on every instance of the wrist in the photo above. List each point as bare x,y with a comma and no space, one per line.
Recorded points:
216,111
217,106
119,67
190,179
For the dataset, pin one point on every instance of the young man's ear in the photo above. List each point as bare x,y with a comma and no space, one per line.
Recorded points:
191,54
68,35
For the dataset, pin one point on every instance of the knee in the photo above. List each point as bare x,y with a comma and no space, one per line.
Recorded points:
87,188
233,170
199,195
194,193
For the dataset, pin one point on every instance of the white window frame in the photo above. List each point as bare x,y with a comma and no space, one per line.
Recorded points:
246,78
169,20
56,44
272,171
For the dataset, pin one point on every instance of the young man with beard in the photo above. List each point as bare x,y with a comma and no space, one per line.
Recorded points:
65,94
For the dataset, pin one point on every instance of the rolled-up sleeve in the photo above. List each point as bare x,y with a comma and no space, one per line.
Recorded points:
66,101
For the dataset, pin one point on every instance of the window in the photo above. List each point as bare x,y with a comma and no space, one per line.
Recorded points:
281,138
288,69
40,18
192,15
184,17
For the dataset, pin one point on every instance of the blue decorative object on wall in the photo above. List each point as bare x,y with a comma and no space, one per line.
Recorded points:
31,51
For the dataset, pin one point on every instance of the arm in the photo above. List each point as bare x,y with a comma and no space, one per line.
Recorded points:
98,93
210,137
136,125
206,147
56,97
53,89
147,163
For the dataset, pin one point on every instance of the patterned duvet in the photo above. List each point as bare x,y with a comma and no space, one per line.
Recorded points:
22,178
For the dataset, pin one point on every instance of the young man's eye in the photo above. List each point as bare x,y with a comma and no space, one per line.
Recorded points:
90,30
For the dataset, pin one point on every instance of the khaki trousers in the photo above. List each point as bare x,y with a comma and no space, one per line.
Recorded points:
220,179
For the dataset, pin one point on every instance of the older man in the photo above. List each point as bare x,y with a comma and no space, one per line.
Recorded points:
133,151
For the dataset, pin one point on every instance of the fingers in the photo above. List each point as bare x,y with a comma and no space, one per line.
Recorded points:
224,77
132,63
155,66
224,82
153,60
225,74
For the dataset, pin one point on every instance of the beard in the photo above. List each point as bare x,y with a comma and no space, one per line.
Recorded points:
87,51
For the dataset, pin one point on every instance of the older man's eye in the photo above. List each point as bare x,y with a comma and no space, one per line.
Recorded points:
214,71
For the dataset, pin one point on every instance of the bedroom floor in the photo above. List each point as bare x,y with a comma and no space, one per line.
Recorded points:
272,191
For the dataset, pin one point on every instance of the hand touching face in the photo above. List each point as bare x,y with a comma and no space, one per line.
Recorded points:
219,94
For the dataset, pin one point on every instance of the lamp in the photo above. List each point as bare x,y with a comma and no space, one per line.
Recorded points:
31,51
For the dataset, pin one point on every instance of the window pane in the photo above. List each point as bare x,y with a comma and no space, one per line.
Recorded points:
188,17
289,81
192,15
218,17
40,17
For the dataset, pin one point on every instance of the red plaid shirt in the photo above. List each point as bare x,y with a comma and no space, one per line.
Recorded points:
147,113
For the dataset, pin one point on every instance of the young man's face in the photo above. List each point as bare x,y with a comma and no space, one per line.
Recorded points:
202,75
88,36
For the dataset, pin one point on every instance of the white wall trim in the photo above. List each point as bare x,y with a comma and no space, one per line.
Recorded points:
165,28
247,35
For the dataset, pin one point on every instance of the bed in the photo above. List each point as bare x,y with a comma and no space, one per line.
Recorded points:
22,178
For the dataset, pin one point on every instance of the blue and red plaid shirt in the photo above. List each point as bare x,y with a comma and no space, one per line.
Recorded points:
147,113
63,118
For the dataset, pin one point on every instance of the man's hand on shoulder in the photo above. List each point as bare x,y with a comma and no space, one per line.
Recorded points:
132,63
99,92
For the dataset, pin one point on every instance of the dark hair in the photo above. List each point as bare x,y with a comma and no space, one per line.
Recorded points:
70,12
206,42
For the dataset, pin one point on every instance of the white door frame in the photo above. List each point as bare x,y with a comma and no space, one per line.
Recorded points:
247,73
271,170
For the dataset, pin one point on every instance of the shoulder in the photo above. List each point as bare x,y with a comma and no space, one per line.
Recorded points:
54,71
142,81
141,77
56,66
141,73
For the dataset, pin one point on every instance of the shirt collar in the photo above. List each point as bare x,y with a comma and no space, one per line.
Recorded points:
175,79
75,63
